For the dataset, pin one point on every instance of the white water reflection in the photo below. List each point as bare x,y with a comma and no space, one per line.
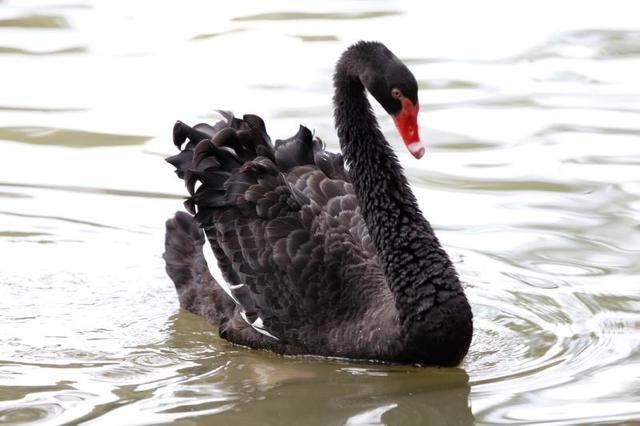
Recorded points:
529,110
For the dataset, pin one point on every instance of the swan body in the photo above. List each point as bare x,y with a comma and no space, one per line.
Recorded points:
318,258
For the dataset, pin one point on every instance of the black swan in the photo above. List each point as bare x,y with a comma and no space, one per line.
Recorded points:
319,258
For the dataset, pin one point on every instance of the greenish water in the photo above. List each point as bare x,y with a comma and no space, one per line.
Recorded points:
530,111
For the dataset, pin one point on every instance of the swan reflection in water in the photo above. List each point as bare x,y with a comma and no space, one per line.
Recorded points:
220,382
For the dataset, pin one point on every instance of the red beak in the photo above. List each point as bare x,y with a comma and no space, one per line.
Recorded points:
407,123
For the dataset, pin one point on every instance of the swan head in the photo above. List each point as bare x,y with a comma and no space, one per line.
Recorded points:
392,84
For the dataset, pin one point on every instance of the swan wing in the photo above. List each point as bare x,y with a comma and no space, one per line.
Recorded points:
283,222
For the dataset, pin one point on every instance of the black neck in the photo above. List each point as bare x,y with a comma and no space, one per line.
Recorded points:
417,269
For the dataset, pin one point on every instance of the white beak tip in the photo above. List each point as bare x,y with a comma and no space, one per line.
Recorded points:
417,149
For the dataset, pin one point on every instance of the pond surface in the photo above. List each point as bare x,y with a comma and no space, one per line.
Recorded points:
532,180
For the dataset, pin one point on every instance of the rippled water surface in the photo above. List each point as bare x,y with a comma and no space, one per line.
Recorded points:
532,179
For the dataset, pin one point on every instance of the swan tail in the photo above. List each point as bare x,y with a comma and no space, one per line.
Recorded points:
198,291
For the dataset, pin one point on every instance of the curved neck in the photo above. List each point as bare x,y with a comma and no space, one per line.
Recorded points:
419,273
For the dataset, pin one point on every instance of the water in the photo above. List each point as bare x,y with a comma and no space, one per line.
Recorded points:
530,113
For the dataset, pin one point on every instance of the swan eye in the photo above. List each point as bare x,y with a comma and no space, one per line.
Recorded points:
396,93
